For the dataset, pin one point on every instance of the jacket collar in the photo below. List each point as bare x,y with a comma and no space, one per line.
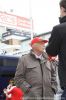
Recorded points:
45,56
62,20
45,59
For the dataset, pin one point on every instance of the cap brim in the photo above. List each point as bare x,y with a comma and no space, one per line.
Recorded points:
45,41
40,41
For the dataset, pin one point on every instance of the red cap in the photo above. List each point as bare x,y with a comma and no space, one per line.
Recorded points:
37,40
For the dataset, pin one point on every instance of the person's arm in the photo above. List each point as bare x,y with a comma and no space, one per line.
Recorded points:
54,43
54,85
8,95
19,78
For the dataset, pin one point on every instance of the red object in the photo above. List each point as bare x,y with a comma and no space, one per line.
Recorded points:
51,58
37,40
16,94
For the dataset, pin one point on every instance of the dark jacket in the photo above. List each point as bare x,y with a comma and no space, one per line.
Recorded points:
57,46
41,80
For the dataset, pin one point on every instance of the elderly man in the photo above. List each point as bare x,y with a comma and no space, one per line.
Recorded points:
35,74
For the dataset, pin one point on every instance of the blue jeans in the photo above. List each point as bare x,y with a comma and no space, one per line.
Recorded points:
63,96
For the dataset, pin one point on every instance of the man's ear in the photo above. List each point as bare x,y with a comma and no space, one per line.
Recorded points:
64,9
30,44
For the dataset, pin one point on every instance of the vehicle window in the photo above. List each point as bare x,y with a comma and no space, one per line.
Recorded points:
10,62
1,62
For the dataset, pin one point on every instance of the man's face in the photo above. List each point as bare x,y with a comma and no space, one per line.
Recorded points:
39,47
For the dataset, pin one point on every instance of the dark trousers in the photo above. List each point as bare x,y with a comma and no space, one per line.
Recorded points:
63,96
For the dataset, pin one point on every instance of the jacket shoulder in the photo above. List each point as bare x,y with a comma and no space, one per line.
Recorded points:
60,25
25,56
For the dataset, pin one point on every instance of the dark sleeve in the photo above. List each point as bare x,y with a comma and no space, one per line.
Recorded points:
54,43
19,78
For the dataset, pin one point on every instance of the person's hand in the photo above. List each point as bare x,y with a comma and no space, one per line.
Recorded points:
51,58
28,90
5,90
